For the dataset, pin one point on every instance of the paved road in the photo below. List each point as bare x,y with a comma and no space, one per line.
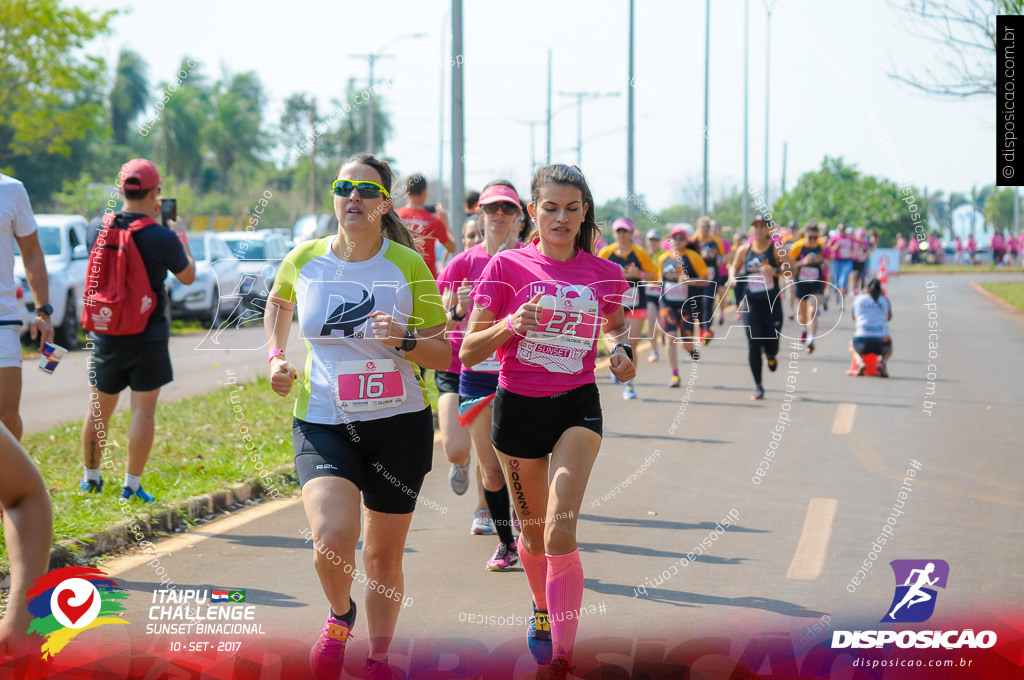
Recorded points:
798,537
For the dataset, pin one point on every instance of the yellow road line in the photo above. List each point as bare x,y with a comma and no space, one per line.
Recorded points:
843,423
809,559
119,565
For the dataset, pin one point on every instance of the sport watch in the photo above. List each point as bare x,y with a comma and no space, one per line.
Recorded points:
409,341
451,313
46,309
626,347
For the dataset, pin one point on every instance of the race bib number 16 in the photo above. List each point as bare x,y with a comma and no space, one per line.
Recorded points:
367,385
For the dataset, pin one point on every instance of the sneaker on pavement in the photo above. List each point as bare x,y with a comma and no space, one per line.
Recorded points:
458,476
327,656
538,636
861,367
810,347
882,369
773,363
90,486
695,353
504,557
803,337
141,494
379,670
482,523
628,392
758,393
653,356
674,381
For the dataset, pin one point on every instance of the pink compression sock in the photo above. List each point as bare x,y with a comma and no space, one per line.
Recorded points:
536,568
564,591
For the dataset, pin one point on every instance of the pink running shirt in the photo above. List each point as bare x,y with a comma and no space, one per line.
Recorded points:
560,355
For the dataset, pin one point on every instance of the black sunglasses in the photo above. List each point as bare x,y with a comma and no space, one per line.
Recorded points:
505,207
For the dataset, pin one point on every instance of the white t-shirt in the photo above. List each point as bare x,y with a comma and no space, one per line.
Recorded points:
871,316
16,219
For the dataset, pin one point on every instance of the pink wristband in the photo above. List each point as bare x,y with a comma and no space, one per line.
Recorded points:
508,322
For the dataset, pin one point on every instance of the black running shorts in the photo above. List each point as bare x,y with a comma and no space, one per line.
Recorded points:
529,427
447,382
142,366
809,287
387,459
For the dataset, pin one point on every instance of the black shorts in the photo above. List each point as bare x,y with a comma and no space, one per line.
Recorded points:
810,287
677,318
529,427
387,459
447,382
879,346
142,366
764,317
859,267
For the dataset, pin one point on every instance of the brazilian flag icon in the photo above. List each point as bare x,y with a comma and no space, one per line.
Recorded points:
237,596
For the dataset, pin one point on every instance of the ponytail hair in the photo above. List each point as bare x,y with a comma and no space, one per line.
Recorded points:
573,176
391,225
874,289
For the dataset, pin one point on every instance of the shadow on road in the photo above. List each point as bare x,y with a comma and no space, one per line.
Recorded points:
650,552
686,599
664,524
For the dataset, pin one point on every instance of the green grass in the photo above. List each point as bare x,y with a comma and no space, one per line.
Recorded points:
957,269
197,449
1011,292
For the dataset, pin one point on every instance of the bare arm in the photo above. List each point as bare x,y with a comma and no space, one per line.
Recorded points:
187,275
277,323
27,521
432,349
616,332
39,283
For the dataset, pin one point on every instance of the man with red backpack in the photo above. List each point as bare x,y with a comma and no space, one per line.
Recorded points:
127,310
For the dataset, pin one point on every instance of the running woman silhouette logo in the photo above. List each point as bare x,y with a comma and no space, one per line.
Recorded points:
69,601
914,600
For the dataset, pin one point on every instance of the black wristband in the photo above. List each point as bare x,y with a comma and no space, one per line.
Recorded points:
626,346
451,313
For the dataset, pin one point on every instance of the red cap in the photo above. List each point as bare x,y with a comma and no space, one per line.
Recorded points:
622,223
499,193
139,174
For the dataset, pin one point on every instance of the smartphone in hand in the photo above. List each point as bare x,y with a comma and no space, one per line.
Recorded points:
168,210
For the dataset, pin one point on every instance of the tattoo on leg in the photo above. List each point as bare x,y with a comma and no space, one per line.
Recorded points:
520,498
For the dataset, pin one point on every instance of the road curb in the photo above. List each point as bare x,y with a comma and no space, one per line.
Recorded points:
992,296
74,551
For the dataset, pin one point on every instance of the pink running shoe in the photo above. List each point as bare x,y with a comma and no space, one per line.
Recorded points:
327,656
378,670
504,557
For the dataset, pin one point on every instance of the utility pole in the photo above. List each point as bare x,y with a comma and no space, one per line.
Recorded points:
579,117
371,105
707,62
547,149
785,152
630,188
313,208
458,214
746,111
767,79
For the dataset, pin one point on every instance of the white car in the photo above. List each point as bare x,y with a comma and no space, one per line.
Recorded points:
62,238
214,293
259,254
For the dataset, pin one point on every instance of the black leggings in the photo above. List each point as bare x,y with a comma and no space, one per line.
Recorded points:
764,321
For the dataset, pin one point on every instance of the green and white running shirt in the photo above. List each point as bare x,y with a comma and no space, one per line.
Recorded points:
350,376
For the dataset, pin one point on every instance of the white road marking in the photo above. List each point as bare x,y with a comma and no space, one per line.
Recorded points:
809,559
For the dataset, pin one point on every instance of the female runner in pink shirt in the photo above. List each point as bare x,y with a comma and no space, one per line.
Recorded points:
542,307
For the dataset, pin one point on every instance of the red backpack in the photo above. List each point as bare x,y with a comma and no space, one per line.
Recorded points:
118,297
